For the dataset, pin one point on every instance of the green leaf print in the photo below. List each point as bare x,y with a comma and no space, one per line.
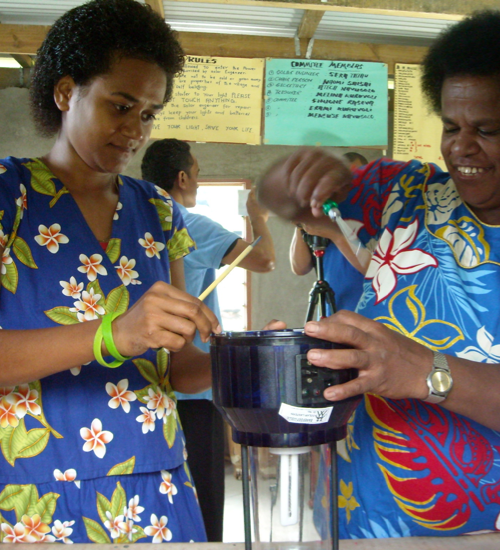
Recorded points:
23,252
44,507
170,428
95,532
18,498
179,244
124,468
162,361
42,181
62,315
118,500
117,300
148,370
164,213
113,250
188,473
136,536
10,278
103,506
142,393
37,385
33,442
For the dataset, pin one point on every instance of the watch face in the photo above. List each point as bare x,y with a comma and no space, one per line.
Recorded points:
441,381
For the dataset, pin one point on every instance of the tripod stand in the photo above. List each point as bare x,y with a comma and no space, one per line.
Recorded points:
321,292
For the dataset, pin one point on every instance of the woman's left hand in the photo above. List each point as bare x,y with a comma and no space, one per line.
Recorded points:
388,364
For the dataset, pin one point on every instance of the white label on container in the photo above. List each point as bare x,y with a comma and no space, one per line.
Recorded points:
300,415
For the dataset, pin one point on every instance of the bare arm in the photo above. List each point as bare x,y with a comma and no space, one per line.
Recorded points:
261,259
162,317
396,367
301,260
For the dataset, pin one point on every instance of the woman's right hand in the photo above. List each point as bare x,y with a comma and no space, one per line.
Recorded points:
296,188
164,317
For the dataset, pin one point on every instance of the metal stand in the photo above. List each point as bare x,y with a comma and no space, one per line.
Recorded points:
246,498
321,292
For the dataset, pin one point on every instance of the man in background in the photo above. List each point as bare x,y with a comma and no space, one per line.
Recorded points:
169,164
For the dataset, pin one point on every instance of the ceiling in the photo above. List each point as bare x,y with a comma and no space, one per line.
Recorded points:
335,29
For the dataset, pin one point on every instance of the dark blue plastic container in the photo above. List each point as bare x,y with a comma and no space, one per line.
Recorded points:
255,372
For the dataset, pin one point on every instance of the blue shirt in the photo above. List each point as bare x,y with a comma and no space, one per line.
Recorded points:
212,243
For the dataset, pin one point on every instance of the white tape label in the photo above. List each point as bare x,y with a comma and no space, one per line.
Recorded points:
299,415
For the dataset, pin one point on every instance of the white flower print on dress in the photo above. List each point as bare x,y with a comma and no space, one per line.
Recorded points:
120,395
167,487
134,509
442,199
72,289
6,260
127,528
88,304
37,528
92,266
119,206
18,533
153,248
159,402
394,256
51,237
62,531
486,352
22,201
69,475
24,401
113,524
148,420
8,415
126,272
162,192
96,438
158,529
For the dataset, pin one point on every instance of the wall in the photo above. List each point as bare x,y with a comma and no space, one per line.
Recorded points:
276,295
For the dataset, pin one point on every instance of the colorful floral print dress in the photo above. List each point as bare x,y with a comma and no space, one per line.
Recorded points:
409,468
93,453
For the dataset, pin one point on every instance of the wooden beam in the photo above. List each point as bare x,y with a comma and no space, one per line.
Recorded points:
26,39
22,39
309,23
229,45
157,6
24,60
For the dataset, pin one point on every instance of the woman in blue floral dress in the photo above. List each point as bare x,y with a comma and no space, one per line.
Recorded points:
90,453
422,454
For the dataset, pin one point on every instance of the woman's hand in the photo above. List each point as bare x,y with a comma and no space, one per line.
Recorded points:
388,363
164,317
297,187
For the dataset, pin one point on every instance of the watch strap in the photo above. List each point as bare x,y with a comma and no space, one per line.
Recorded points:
439,367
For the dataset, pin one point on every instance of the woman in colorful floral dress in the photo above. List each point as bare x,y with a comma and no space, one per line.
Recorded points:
91,453
422,456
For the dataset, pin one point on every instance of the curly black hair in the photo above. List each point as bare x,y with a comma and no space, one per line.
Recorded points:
164,159
470,47
84,43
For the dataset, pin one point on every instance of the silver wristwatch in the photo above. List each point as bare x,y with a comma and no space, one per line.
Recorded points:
439,380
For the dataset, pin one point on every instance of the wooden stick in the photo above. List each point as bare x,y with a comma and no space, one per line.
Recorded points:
225,273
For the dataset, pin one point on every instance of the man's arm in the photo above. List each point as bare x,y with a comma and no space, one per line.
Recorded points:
301,260
261,259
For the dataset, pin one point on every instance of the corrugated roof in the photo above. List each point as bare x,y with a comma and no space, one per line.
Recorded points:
253,20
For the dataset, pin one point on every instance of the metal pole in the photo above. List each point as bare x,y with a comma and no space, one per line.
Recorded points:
246,498
334,497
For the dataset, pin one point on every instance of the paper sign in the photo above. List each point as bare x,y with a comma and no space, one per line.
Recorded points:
216,99
417,131
336,103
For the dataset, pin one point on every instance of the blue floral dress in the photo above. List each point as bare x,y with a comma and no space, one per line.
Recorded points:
409,468
90,454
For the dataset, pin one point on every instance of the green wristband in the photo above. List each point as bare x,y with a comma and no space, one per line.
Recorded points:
98,353
107,333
